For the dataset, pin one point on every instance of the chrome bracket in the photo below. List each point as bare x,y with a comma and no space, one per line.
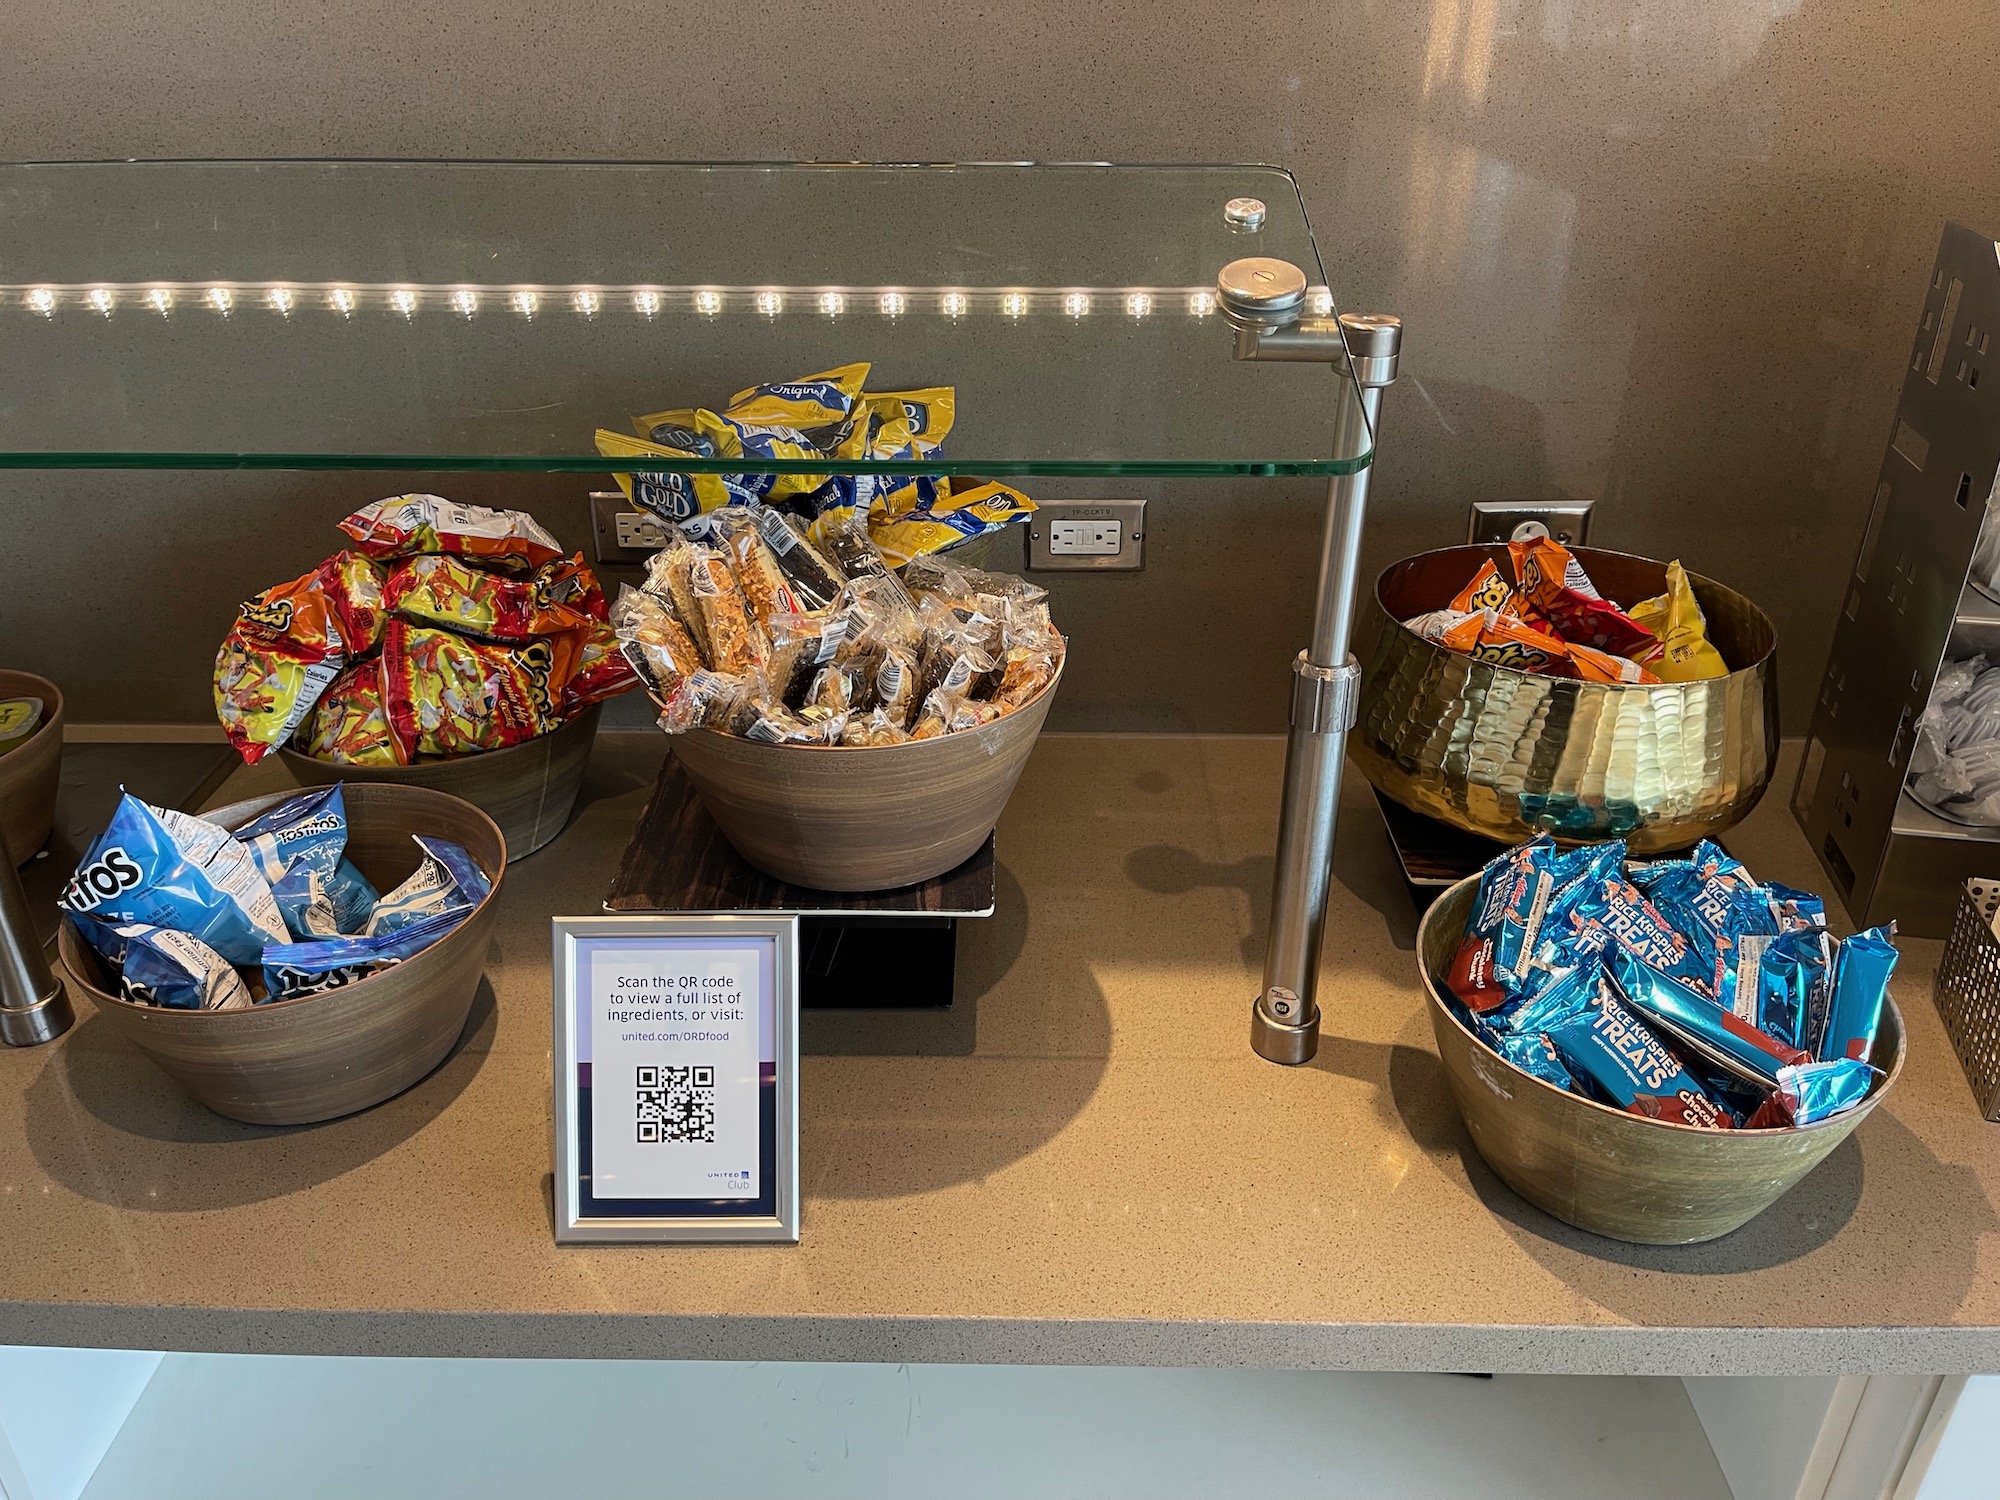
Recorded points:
1325,699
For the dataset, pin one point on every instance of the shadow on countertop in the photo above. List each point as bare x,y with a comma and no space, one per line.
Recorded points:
109,1125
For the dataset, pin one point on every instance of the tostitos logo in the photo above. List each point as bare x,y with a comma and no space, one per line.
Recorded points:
111,873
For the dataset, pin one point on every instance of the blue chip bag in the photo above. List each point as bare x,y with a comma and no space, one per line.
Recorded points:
168,869
179,972
296,969
309,832
446,880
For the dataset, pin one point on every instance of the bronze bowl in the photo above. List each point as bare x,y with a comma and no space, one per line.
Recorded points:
1510,754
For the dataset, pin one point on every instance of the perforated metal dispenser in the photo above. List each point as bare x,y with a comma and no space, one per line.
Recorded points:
1910,604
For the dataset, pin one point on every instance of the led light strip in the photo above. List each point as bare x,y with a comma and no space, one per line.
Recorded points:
168,299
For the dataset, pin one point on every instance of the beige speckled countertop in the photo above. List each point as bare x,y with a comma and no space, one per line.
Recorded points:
1111,1177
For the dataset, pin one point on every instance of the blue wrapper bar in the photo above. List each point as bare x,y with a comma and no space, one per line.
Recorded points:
1725,1039
1631,1068
1860,980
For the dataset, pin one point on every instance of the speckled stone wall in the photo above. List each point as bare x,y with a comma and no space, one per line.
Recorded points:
1663,253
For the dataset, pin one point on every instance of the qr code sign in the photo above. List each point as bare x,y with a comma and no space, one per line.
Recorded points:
676,1104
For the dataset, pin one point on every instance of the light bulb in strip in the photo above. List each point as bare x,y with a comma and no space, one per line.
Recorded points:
1076,304
953,304
587,301
832,304
770,304
465,301
342,300
404,300
524,302
1014,304
220,298
1200,304
41,300
160,300
708,304
103,301
646,303
893,304
1138,304
281,300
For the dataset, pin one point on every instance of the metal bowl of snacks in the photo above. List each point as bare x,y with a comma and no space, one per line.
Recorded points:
528,789
343,1048
1508,753
31,737
1626,1176
863,817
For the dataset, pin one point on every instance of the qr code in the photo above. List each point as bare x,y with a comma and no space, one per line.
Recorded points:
676,1104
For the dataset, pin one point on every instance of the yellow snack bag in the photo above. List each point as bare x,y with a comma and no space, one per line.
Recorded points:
955,517
689,430
909,424
671,496
810,401
1685,653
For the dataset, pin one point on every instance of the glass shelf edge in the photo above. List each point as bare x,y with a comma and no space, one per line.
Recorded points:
554,464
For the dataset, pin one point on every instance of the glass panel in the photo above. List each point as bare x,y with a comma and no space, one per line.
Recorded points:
492,315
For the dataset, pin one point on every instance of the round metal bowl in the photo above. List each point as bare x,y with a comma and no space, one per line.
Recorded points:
1511,754
316,1057
528,789
1649,1182
862,817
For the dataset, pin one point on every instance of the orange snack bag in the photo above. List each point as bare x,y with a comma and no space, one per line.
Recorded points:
1491,637
1554,581
448,695
1488,590
279,656
1592,665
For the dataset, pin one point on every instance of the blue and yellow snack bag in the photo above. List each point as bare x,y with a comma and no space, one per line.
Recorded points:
668,495
952,519
908,424
821,400
689,429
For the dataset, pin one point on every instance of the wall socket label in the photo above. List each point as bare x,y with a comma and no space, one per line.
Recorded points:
1087,535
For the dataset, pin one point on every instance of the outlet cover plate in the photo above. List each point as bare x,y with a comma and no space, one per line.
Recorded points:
624,537
1568,521
1087,536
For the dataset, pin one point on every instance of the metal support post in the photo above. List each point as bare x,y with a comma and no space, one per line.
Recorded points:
1262,299
34,1006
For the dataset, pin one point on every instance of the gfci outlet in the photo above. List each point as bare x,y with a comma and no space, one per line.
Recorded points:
1096,535
624,537
1568,521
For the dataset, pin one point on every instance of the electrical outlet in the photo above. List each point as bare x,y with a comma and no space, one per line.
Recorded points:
1568,521
624,537
1087,534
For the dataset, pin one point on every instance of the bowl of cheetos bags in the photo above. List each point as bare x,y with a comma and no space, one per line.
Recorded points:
1537,688
449,646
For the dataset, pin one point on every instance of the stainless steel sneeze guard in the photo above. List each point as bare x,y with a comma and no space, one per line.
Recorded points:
1262,299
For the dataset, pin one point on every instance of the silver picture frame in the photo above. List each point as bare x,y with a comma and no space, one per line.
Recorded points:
572,1226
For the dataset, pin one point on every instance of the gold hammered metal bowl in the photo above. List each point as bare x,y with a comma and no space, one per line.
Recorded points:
1511,754
1649,1182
